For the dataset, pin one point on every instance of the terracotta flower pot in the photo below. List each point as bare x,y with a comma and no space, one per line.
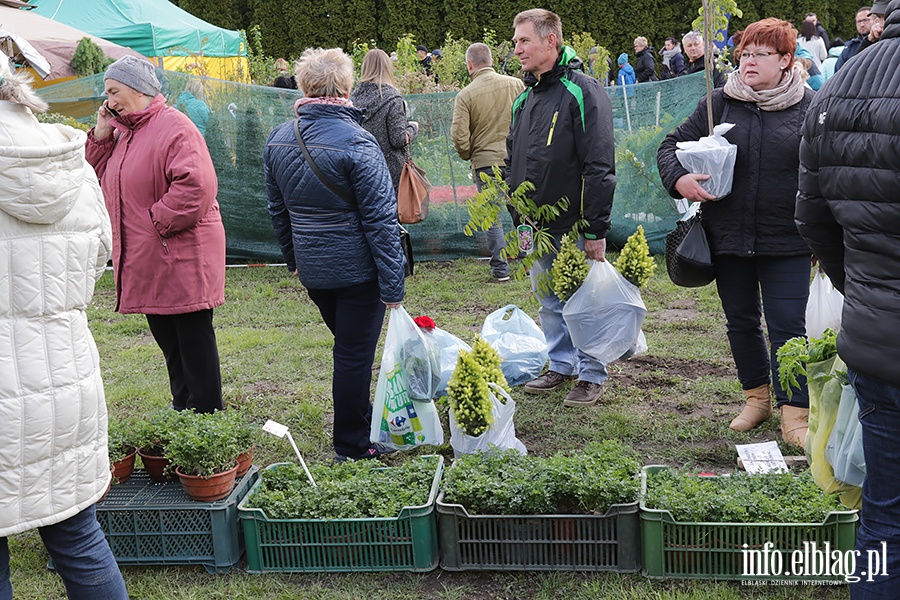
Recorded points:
122,469
208,490
245,461
155,467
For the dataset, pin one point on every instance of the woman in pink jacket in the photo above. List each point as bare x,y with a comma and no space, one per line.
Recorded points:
168,240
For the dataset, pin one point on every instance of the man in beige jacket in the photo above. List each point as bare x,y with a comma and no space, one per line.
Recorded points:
481,116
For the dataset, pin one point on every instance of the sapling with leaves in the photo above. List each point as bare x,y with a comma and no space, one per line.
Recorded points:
570,267
469,398
635,263
484,208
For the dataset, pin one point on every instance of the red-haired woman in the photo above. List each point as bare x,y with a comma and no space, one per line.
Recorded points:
762,263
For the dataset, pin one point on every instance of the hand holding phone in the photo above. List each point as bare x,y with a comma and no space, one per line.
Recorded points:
111,112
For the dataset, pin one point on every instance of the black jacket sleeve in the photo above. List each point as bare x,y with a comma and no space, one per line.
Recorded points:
596,149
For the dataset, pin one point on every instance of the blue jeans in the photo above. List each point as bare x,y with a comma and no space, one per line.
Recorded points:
564,357
879,414
784,285
81,556
495,238
354,314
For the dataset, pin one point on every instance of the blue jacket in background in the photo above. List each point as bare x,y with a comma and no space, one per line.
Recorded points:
850,50
626,71
333,243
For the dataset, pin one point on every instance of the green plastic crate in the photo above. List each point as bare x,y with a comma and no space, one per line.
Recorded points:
149,523
674,549
407,542
609,542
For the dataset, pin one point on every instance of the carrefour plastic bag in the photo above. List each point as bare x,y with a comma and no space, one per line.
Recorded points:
501,435
711,155
519,341
605,314
844,450
823,310
824,401
449,346
398,420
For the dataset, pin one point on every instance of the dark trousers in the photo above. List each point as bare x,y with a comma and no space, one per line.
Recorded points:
879,520
782,285
188,342
354,314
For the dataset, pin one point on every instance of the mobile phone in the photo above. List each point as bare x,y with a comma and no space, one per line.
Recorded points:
110,110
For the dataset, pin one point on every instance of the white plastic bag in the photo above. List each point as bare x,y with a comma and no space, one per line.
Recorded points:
844,450
449,346
640,346
823,310
711,155
605,314
519,341
501,435
399,421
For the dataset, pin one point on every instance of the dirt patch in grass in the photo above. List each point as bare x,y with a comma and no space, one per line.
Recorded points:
678,311
648,372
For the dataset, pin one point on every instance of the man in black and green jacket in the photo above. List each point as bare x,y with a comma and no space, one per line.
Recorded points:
561,140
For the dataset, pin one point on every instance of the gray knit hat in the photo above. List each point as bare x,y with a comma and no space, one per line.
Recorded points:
135,73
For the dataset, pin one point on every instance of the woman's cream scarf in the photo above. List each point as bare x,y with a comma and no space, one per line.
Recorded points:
787,93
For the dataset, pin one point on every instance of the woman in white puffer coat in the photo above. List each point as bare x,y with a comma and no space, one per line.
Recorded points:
55,240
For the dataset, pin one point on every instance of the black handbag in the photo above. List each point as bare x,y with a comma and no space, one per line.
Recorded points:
688,259
405,241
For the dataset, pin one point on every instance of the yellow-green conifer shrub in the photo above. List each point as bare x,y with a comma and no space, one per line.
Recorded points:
470,402
570,267
635,263
489,360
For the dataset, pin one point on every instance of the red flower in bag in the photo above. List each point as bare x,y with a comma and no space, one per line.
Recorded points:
426,323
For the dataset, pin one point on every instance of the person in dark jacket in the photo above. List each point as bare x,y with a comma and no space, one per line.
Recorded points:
751,231
862,28
695,49
344,247
384,111
285,79
848,210
561,140
673,60
645,65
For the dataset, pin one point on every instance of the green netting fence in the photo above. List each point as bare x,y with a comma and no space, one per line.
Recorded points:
241,117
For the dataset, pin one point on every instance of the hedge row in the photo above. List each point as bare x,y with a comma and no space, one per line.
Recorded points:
289,26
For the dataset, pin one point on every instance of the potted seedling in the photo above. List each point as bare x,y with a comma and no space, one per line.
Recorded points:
244,438
204,454
152,438
120,444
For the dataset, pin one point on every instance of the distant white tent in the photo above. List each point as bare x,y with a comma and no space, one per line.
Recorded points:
48,41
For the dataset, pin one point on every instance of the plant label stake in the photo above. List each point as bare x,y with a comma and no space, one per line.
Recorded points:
279,430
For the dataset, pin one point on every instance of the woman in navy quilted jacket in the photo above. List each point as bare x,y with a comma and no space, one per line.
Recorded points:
339,236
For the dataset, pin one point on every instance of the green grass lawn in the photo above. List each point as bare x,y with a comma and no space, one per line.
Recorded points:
672,404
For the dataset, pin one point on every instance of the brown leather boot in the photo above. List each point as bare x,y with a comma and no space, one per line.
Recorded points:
794,424
757,409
